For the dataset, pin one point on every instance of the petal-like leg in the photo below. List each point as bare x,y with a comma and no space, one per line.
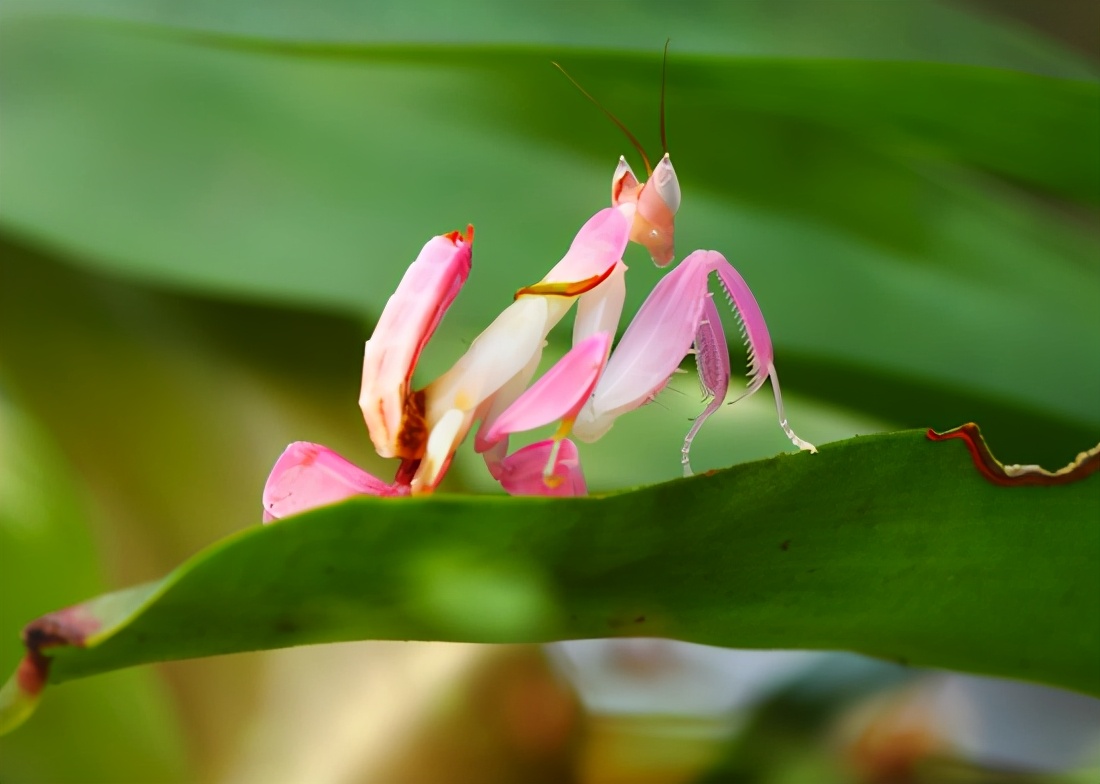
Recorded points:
523,472
599,310
652,348
498,404
410,317
495,356
758,340
595,251
559,395
506,347
713,360
310,475
678,311
443,440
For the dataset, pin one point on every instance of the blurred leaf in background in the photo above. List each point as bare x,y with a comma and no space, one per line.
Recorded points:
204,205
48,555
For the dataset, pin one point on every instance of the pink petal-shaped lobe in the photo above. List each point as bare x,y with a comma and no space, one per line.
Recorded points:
307,476
559,394
599,310
598,246
523,472
656,341
411,315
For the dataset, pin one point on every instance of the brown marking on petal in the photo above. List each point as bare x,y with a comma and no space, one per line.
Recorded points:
406,471
1083,465
573,288
413,436
455,236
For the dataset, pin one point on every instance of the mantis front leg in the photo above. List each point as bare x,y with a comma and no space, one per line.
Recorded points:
678,313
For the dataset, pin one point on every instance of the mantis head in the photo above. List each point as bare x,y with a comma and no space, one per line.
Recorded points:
657,202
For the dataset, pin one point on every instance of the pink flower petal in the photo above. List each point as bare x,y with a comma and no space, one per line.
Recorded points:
598,246
308,475
653,346
559,394
521,473
410,317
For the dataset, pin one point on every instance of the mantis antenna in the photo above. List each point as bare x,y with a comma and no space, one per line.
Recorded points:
664,72
619,123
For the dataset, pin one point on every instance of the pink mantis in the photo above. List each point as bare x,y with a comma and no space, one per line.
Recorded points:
585,391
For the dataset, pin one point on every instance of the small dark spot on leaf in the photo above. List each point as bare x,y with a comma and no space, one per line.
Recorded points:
786,545
286,626
640,619
811,571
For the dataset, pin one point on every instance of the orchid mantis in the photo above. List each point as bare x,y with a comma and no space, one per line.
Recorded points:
423,428
678,314
585,391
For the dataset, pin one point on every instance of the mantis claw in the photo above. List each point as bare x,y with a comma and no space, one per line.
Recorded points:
758,342
678,313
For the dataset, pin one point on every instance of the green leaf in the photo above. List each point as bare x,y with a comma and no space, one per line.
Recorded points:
45,541
875,208
921,561
866,29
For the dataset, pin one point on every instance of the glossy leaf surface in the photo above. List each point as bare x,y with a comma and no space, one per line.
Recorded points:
919,562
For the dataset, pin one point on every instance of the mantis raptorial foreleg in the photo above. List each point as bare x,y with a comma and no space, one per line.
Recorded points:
678,314
586,390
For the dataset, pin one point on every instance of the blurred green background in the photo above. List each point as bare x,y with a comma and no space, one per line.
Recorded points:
204,205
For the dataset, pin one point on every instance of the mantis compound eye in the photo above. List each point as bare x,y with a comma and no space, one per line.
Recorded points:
668,187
